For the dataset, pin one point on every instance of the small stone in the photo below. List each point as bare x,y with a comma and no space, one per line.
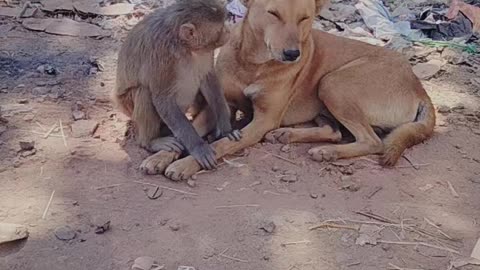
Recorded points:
28,153
84,128
47,69
286,148
194,177
27,145
191,183
268,227
101,229
345,178
313,195
427,70
174,227
65,233
458,107
78,115
40,91
186,268
275,168
154,193
102,84
29,117
23,101
444,109
289,178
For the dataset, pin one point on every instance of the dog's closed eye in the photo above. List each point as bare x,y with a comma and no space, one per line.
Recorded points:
304,19
275,14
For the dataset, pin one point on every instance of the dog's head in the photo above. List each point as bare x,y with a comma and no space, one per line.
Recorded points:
283,25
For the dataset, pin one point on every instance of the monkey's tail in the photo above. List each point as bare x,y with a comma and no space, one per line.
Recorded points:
409,134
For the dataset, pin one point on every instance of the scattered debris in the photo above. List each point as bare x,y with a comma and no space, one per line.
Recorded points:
268,227
146,263
419,244
452,190
12,232
64,27
425,188
313,195
154,193
228,257
84,128
191,183
174,226
233,164
438,27
101,229
304,242
461,262
459,8
374,192
289,178
14,109
65,233
286,148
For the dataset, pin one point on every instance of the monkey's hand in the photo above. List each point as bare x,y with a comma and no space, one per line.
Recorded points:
205,156
233,135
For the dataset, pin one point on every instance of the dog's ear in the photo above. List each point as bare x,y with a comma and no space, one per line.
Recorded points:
245,2
319,4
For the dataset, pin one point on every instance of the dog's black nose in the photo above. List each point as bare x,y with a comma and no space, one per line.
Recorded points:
291,55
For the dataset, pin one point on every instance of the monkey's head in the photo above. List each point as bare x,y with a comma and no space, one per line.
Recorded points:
202,26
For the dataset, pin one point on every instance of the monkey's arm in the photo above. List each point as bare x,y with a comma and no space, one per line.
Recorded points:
183,130
212,92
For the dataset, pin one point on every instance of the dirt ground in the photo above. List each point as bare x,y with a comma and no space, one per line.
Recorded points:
242,216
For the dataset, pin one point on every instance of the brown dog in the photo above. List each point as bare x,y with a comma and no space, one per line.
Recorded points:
287,73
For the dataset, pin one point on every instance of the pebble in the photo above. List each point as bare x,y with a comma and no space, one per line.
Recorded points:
313,195
27,145
29,117
28,153
444,109
268,227
191,183
101,229
78,115
174,227
286,148
275,168
289,178
84,128
65,233
154,193
186,268
23,101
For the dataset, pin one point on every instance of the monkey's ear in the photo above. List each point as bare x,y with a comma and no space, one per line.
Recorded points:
187,32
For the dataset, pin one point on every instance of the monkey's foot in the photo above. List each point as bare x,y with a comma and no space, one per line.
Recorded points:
182,169
157,163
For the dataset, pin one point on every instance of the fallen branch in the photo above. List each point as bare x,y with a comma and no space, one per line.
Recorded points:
279,157
236,206
334,226
63,134
230,257
48,205
167,188
419,244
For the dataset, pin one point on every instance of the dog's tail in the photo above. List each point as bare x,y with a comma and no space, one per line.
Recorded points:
410,134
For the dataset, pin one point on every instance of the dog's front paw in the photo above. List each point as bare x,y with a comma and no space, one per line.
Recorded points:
281,135
182,169
157,163
324,153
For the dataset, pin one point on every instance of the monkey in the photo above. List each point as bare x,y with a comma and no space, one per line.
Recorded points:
164,67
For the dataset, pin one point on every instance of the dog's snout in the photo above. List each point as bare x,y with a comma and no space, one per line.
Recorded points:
291,55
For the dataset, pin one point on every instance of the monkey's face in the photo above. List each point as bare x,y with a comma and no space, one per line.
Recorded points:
205,37
284,25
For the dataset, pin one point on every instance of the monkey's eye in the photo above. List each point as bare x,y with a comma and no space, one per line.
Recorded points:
304,18
275,14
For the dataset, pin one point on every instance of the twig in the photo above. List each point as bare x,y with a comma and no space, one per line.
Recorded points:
63,134
400,268
419,244
110,186
334,226
438,228
50,131
375,191
236,206
41,171
167,188
411,163
375,216
279,157
48,205
452,189
41,126
305,242
230,257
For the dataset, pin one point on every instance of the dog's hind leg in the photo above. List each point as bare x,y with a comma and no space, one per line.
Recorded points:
344,109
